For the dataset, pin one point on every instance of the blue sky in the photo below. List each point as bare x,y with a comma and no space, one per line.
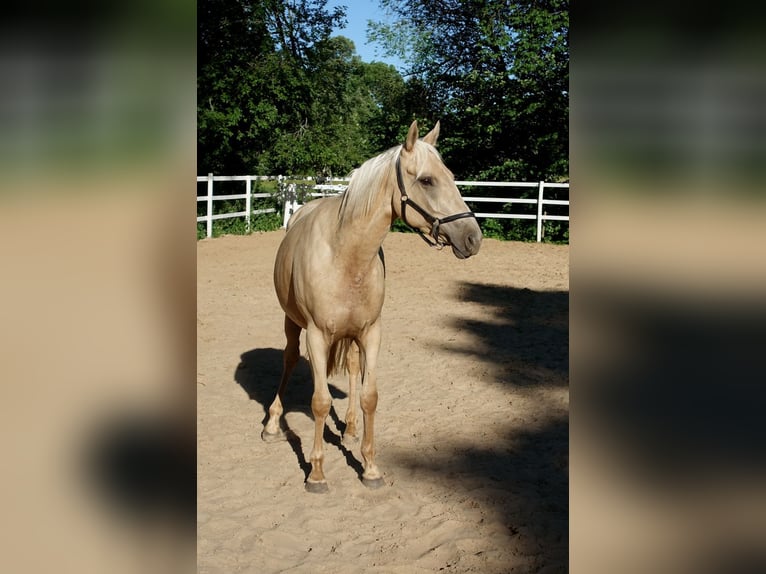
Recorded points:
357,14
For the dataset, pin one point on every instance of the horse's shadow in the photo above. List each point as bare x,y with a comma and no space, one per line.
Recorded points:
259,372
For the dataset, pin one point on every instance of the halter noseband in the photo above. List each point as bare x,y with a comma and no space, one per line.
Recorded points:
434,222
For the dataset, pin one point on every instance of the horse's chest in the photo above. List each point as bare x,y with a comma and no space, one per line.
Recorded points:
359,299
356,305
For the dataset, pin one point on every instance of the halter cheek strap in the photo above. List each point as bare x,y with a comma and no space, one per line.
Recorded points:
434,222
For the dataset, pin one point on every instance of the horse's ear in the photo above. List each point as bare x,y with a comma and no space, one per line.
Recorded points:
412,136
432,136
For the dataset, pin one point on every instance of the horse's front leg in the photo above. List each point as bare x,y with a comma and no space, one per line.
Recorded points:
318,349
369,344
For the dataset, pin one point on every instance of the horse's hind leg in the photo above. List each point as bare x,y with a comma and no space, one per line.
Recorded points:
350,435
271,431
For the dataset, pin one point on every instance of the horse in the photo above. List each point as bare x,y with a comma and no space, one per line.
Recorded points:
329,278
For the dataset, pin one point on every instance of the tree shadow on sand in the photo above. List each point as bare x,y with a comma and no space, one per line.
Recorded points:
521,482
527,340
523,477
259,373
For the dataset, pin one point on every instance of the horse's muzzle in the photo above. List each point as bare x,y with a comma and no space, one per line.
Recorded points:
464,236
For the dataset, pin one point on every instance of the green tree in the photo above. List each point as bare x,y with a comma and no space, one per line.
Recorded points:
258,68
381,104
495,73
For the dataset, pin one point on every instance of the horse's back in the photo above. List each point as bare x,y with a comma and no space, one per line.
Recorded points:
304,210
304,249
309,228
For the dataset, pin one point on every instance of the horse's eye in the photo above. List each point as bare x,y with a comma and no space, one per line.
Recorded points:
426,181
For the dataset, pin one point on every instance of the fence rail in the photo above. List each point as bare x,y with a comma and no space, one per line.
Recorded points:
290,199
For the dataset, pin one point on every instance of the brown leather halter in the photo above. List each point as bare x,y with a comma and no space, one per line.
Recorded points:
434,222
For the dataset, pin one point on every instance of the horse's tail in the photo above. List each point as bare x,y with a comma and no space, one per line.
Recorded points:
336,362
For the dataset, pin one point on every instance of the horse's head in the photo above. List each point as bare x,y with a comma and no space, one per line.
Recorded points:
428,199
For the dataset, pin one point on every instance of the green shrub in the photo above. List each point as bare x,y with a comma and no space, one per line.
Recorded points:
492,228
266,222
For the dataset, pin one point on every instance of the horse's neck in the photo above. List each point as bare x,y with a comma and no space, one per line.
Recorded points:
360,239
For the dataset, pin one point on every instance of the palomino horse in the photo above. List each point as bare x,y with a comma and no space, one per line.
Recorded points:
329,278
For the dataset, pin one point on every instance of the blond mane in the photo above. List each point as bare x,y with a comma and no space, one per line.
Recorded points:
366,185
368,181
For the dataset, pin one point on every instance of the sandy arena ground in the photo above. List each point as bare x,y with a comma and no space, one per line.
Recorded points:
471,427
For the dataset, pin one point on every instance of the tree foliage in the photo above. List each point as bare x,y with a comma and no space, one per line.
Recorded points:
277,93
497,74
270,85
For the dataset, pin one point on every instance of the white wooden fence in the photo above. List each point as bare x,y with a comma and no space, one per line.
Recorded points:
339,185
541,202
248,196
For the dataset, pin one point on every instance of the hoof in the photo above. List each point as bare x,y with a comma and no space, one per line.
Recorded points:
373,483
316,487
278,436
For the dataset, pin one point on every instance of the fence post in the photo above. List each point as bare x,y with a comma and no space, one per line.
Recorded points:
248,202
209,205
291,203
540,188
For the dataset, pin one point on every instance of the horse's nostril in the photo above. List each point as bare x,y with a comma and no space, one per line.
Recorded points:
473,240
